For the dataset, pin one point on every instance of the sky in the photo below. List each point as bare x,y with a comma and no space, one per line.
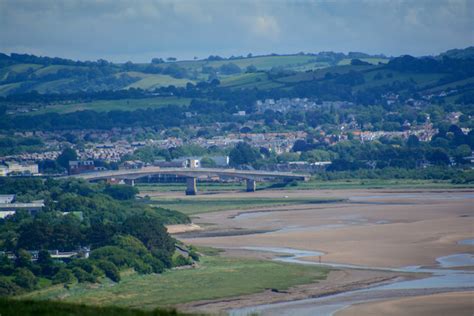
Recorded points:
138,30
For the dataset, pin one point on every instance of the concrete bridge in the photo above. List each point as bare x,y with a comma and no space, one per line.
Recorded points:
192,174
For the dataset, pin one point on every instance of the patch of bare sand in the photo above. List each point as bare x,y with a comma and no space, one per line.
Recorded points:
394,232
376,228
457,303
182,228
337,281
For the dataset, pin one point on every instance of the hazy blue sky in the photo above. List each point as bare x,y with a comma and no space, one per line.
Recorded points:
139,30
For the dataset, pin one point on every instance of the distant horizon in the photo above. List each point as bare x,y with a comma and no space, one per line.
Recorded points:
120,31
227,57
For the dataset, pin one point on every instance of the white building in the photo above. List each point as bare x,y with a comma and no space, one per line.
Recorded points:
11,167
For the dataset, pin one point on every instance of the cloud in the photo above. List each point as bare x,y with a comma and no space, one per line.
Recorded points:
137,30
265,26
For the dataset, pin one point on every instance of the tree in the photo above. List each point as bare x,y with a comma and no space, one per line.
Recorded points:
23,259
157,61
121,192
460,152
111,271
230,69
150,231
46,263
243,154
8,288
438,156
251,69
63,276
24,278
67,155
413,141
207,162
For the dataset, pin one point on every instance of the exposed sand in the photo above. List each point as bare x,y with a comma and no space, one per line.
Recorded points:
458,303
376,228
373,228
182,228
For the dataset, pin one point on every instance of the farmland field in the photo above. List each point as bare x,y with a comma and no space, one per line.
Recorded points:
110,105
149,81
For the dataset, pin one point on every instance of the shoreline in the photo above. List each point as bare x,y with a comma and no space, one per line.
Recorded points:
416,226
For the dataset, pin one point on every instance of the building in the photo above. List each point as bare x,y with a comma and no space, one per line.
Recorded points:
185,162
7,198
10,168
176,163
9,206
220,161
81,166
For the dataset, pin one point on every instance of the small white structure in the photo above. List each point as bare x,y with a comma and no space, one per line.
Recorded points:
13,167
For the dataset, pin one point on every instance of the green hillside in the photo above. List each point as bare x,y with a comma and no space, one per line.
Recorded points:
111,105
324,75
25,73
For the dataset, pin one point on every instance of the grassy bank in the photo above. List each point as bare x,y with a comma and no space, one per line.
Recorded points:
310,185
204,205
378,184
144,188
11,307
216,277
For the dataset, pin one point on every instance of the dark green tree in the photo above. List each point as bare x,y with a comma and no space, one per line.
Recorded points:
68,154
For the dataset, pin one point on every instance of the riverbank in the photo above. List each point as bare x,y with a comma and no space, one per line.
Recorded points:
456,303
375,229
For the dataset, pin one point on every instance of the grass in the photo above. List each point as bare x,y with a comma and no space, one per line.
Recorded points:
261,62
12,307
181,187
378,184
243,79
420,79
149,81
215,278
196,205
109,105
52,69
5,88
373,61
313,184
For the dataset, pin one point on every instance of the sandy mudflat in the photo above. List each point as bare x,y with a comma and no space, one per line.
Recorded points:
458,303
182,228
370,228
376,228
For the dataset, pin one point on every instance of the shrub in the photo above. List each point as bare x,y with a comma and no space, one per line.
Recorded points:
111,271
180,260
8,288
121,192
83,276
117,256
24,278
63,276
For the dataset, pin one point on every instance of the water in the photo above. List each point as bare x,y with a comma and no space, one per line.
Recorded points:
457,260
442,279
469,242
446,196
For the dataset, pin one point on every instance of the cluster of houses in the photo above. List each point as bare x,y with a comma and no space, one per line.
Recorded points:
9,205
285,105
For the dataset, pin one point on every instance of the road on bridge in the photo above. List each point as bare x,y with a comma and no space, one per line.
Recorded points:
251,176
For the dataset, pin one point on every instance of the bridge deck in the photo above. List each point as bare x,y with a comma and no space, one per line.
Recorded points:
190,172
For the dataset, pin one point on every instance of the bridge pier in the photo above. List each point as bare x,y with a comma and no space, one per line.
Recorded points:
191,186
251,185
130,182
